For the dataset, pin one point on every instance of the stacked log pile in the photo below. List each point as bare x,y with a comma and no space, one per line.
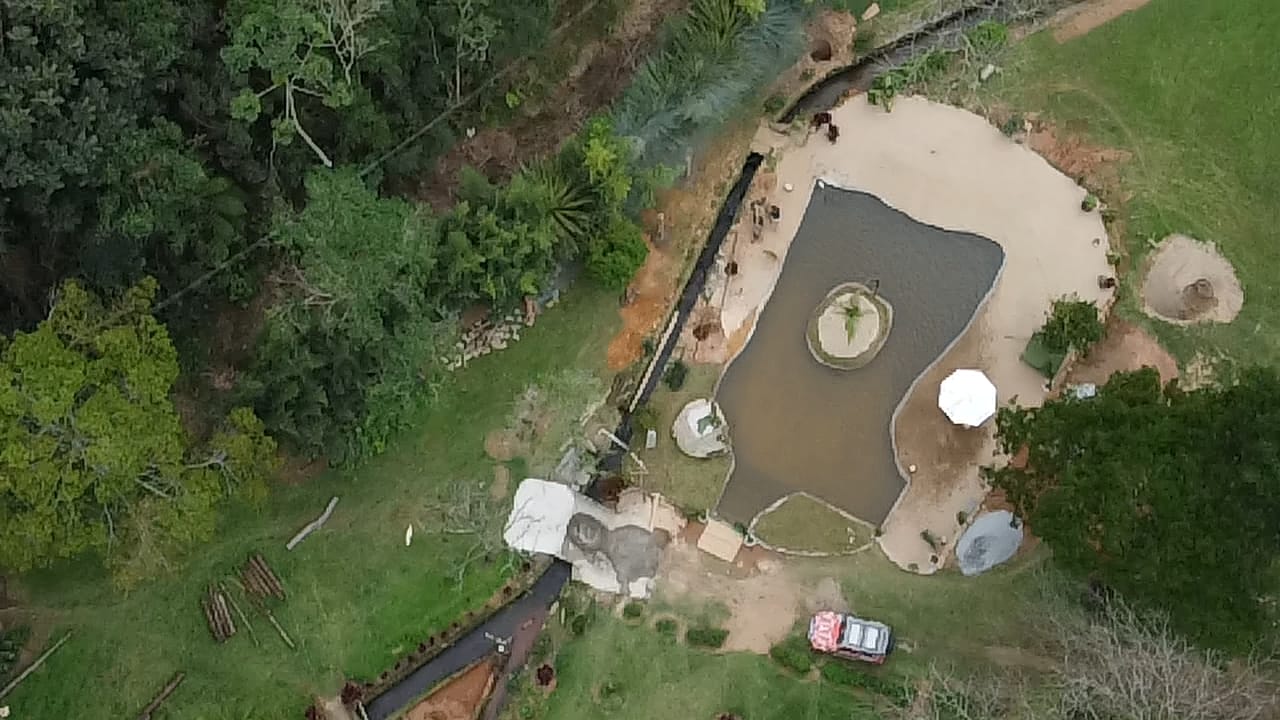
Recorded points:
217,613
260,580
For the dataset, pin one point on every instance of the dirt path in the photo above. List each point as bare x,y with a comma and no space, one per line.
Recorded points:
1077,21
598,76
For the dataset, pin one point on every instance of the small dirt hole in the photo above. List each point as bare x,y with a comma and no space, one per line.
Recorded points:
821,51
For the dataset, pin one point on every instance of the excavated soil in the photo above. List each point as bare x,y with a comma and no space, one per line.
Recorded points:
1126,347
459,698
1188,282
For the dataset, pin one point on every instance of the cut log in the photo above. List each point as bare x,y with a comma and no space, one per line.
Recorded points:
312,526
283,635
33,666
224,613
158,700
270,581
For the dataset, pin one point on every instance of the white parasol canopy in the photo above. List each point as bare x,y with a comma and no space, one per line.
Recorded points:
967,397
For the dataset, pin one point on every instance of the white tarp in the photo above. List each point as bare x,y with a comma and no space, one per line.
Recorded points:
539,517
967,397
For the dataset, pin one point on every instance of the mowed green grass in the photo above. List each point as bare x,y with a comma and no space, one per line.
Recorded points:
1190,89
358,596
651,676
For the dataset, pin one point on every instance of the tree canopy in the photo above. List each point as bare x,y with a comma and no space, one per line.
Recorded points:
1170,497
92,456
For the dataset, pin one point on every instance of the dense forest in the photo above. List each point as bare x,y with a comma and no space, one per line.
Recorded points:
211,220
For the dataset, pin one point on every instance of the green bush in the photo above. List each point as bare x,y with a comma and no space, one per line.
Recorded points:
908,76
578,625
644,418
1090,203
614,259
709,637
793,654
633,610
774,105
987,38
1013,125
675,375
666,627
847,674
1071,324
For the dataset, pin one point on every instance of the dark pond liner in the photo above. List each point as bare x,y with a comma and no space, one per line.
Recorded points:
799,425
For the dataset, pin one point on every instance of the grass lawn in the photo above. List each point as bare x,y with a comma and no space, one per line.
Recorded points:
1189,87
621,670
358,596
691,483
805,524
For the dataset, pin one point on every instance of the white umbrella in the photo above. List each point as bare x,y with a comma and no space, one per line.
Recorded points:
967,397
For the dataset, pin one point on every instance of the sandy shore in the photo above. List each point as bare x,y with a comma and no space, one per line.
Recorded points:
949,168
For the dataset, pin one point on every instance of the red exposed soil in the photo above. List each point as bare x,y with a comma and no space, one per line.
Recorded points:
460,698
599,75
1126,347
651,293
1096,166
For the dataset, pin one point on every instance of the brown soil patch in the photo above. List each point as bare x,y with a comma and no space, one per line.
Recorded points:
40,625
1095,166
651,293
460,698
501,482
1126,347
601,71
501,445
1076,21
763,605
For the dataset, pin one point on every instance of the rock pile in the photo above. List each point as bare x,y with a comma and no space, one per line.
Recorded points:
486,337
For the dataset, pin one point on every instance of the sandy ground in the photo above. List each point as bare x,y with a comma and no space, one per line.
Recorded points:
833,329
1186,281
1076,21
952,169
764,603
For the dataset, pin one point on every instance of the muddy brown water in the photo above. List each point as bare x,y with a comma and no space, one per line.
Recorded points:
798,425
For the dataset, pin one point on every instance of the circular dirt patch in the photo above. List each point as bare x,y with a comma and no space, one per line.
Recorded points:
1188,282
849,327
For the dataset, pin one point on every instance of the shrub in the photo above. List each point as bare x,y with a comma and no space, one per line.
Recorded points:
774,105
666,627
633,610
898,692
1071,324
578,625
908,76
675,375
793,654
987,38
644,418
961,517
614,259
1013,125
1090,203
709,637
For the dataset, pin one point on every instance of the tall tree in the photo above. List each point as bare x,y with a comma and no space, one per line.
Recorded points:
90,443
1170,497
350,347
305,49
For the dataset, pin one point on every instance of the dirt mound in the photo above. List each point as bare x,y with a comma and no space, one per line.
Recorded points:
1188,282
